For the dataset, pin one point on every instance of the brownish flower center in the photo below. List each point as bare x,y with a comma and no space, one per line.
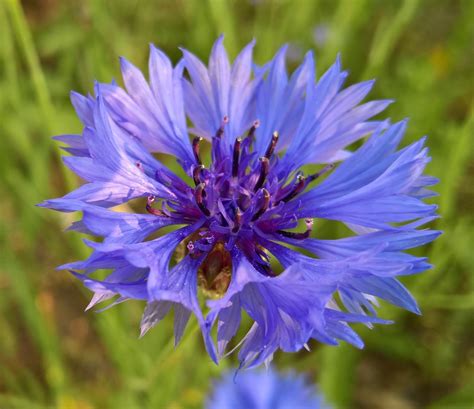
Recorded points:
214,274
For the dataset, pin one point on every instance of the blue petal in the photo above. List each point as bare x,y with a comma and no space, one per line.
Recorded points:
154,312
219,91
84,107
122,227
155,118
179,286
396,240
280,103
103,194
219,75
135,290
370,188
181,318
77,145
391,261
388,289
285,309
331,119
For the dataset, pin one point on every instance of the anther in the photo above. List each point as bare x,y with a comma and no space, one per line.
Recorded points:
150,200
198,195
299,236
190,247
196,173
299,187
237,221
324,170
250,136
271,146
267,270
265,204
235,157
196,142
265,166
220,131
252,130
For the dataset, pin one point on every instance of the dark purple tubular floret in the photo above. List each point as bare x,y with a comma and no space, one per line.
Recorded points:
247,200
238,194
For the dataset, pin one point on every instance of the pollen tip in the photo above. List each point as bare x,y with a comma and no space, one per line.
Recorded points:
196,141
199,194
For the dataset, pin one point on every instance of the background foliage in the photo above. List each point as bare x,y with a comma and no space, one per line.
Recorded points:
53,355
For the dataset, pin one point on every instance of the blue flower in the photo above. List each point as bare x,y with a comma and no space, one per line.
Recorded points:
259,389
247,200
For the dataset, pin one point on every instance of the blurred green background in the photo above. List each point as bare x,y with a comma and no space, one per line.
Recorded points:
53,355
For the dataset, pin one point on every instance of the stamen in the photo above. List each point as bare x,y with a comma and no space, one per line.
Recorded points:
265,166
327,168
237,221
299,236
216,141
190,247
271,147
267,270
299,187
235,158
252,130
150,200
196,142
198,195
196,173
220,131
250,136
265,204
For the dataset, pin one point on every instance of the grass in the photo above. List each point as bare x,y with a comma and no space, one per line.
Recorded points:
53,355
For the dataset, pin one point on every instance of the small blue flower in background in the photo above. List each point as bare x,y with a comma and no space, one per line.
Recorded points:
321,34
264,389
247,200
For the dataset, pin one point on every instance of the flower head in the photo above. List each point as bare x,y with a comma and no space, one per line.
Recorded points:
259,389
240,204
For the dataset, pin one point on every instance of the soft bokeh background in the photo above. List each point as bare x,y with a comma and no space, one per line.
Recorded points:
53,355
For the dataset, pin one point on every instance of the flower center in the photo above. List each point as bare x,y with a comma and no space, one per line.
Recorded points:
239,188
214,274
239,199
